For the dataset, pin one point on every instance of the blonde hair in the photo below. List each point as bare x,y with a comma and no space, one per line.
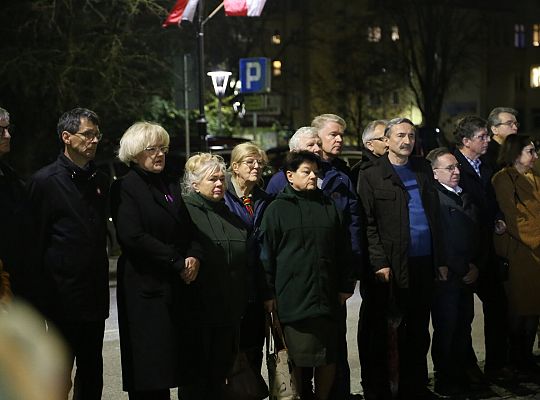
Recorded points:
320,121
244,150
139,136
200,166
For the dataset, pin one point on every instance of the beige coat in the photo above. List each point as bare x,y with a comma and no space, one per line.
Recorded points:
519,200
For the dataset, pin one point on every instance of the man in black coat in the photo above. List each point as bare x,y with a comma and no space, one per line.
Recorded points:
68,200
453,304
12,216
402,215
472,141
501,123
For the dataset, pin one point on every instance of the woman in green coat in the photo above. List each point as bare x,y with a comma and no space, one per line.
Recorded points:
307,260
218,295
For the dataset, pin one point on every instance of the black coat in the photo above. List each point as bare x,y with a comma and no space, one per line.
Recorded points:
460,234
155,236
68,206
385,203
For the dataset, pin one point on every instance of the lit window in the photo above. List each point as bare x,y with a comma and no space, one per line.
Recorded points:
276,38
276,68
519,35
395,33
374,34
536,35
535,76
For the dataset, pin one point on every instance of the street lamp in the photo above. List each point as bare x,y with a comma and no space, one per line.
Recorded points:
219,80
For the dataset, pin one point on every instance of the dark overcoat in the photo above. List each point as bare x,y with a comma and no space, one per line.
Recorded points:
155,236
68,207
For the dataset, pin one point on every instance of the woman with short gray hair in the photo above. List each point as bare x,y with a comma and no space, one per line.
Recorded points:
159,259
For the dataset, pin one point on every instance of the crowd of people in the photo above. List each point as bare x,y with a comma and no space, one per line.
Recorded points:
205,260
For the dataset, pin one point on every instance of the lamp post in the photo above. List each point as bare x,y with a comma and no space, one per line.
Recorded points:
219,81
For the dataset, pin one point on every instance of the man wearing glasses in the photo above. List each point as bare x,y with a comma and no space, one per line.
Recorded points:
472,139
67,200
453,305
501,123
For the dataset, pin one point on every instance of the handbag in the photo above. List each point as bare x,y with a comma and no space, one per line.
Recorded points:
243,383
280,369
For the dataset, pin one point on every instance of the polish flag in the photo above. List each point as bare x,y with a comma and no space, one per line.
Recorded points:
243,8
183,10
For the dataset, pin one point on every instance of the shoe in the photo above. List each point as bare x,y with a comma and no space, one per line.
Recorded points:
474,375
446,389
499,375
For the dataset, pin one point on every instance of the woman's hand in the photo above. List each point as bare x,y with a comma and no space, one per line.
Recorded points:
191,270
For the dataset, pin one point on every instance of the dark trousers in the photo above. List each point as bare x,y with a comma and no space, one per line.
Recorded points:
372,338
452,315
490,291
214,349
342,381
382,305
523,330
413,332
151,395
252,334
85,345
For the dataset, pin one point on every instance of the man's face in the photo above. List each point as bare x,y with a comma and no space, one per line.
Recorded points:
311,144
378,143
401,140
446,170
478,144
5,137
84,142
332,139
507,126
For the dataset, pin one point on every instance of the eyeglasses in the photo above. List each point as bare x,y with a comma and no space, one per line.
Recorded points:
482,138
451,168
4,129
509,124
251,163
154,150
89,135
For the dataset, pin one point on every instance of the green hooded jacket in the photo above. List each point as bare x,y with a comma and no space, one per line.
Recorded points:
220,289
306,254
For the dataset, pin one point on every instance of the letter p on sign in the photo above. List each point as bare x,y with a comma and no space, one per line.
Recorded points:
255,75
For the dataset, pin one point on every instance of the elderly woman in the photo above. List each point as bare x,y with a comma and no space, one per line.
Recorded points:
308,267
221,284
247,200
159,258
517,187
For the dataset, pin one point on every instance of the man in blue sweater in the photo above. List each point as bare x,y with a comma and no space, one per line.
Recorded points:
402,221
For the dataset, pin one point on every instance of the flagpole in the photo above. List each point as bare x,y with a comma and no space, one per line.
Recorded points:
201,121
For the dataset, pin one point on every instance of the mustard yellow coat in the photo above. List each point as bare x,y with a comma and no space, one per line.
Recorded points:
519,199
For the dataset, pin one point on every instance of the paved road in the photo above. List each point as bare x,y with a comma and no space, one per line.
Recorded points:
112,370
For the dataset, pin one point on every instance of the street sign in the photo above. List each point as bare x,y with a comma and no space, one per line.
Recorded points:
255,75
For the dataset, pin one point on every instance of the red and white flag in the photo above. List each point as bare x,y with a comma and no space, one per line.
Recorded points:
243,8
182,10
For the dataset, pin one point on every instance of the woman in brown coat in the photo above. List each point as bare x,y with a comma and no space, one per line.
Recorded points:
517,187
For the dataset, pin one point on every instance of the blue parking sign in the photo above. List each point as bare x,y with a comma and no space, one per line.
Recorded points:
255,75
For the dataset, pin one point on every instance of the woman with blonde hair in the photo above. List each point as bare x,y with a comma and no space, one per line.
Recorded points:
159,259
248,200
220,288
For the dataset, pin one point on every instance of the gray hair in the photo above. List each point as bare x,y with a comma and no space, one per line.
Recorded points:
4,115
433,155
396,121
199,167
367,135
320,121
307,132
139,136
493,117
